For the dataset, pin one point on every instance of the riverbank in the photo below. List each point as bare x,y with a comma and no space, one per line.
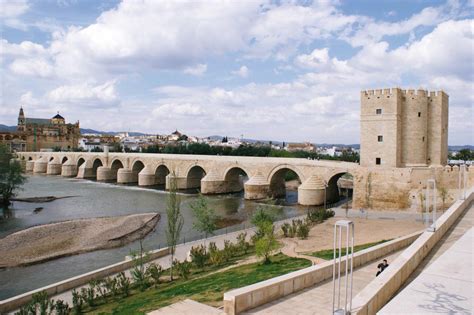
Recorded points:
50,241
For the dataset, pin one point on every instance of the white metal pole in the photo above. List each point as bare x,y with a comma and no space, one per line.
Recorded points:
339,271
352,267
347,268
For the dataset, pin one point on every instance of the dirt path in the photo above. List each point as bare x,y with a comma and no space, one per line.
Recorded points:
366,231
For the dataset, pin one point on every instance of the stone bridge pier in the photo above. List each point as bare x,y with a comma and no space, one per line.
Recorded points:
259,178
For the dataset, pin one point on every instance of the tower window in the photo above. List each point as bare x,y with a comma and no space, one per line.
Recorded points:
378,111
380,138
419,114
378,161
423,139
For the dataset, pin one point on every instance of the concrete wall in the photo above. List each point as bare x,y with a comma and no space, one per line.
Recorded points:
377,293
240,300
74,282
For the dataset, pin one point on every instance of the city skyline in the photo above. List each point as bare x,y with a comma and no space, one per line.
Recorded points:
289,71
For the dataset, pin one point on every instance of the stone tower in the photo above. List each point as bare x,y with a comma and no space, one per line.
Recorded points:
403,128
21,120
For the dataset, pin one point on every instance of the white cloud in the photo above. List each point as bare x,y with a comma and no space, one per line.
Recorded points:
13,8
196,70
32,67
242,72
85,94
172,110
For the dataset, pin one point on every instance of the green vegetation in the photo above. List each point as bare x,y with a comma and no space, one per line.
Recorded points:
464,155
205,288
328,254
245,150
205,216
301,228
264,238
11,176
175,220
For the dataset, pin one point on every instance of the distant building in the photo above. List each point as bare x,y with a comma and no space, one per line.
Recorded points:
36,134
307,147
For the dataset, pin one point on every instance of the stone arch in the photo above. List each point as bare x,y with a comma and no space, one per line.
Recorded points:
161,172
80,161
337,187
97,162
194,176
137,166
235,178
64,159
115,166
277,180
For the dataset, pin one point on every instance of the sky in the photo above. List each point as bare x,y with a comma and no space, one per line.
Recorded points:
273,70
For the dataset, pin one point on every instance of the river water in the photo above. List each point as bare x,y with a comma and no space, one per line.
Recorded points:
92,199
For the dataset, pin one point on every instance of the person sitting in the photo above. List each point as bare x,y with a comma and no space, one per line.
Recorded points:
382,266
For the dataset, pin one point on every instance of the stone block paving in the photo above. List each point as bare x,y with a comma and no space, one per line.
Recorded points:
318,299
444,284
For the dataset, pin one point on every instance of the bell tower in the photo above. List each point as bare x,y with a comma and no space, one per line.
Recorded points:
21,120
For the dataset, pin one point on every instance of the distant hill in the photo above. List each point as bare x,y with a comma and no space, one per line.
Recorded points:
112,133
4,128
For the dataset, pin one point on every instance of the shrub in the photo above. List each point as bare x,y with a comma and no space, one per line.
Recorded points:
303,230
154,272
62,308
183,268
88,295
77,302
199,256
110,284
320,215
229,250
242,243
123,283
40,301
285,228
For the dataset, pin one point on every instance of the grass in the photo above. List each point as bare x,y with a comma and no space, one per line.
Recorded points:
206,289
328,254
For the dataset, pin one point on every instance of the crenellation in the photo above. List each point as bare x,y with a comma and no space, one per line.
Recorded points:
387,91
421,92
378,92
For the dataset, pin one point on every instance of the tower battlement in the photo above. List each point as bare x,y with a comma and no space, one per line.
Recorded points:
404,92
404,127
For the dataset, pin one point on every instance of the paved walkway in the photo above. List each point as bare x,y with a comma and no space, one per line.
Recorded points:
187,307
318,299
443,283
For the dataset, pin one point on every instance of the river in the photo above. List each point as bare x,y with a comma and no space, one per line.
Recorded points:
92,199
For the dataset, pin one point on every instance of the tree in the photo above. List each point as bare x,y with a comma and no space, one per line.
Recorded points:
175,220
205,216
11,176
266,243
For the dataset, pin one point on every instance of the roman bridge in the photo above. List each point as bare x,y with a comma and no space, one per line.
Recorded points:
259,177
